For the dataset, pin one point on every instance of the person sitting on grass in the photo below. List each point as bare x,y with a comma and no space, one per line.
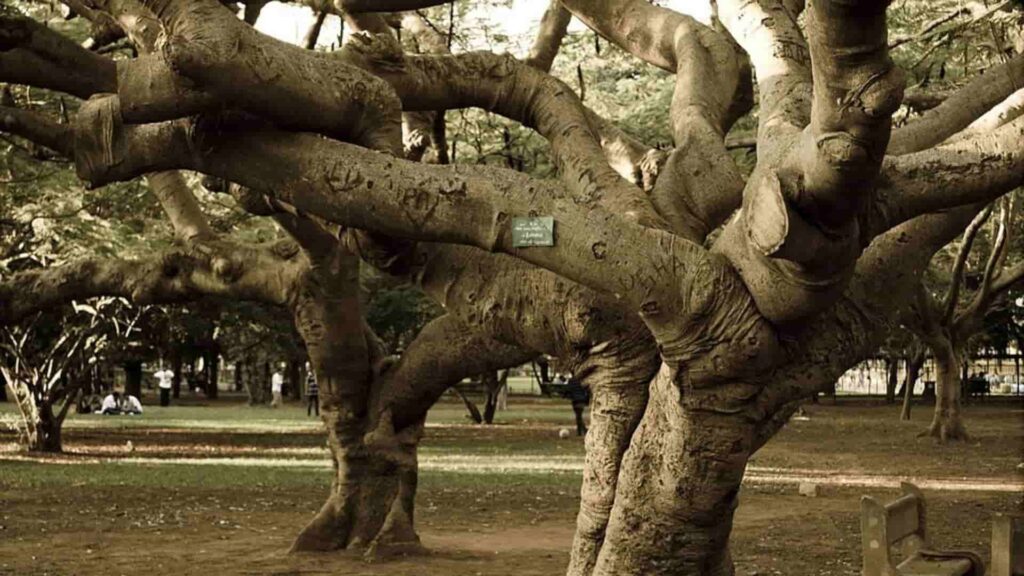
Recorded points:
130,405
111,404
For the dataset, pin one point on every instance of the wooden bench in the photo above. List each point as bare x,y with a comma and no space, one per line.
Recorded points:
1008,545
900,525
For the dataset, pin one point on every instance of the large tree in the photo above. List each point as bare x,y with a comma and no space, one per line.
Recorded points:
698,346
948,325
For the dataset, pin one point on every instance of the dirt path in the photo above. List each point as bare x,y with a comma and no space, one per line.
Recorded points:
521,464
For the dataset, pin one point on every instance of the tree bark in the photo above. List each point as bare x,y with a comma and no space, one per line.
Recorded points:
133,378
947,423
176,365
295,380
371,499
492,386
46,436
618,377
256,381
892,365
677,490
914,365
211,365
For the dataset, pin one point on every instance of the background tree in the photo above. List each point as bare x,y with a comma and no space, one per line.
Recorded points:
50,360
977,287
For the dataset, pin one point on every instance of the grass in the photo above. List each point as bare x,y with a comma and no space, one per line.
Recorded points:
232,413
18,476
230,422
73,514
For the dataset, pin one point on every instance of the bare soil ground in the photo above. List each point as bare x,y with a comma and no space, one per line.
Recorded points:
224,492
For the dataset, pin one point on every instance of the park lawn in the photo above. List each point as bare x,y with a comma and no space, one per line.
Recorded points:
223,488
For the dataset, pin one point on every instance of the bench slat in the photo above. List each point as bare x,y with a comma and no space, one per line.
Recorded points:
903,517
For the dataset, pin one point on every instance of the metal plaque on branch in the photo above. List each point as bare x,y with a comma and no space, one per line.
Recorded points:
535,231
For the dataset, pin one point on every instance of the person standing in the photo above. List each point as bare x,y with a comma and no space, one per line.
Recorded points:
276,385
580,398
164,378
312,393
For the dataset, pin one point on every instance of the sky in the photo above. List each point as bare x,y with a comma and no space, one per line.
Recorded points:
289,22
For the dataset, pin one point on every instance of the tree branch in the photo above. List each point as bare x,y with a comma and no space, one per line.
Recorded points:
768,32
170,189
997,256
359,6
355,187
969,103
105,30
218,269
313,35
856,90
180,205
443,353
630,158
957,274
32,54
502,84
274,83
252,11
930,31
799,237
929,27
966,172
1008,278
699,185
38,129
888,276
426,128
1003,113
553,26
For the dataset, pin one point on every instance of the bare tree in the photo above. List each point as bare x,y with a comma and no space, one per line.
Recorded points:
698,349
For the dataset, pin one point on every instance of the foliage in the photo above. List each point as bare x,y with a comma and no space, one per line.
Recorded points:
48,358
398,314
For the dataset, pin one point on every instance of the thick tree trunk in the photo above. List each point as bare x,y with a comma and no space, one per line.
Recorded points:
619,378
45,434
3,388
914,365
133,378
492,386
211,365
239,369
255,382
296,376
371,501
176,369
892,366
677,488
293,379
947,423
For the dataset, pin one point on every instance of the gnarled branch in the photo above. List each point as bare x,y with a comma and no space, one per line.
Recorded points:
958,111
206,269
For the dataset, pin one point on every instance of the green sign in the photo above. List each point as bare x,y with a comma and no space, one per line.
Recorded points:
539,231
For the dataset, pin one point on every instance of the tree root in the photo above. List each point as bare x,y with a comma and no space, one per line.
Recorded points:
946,431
